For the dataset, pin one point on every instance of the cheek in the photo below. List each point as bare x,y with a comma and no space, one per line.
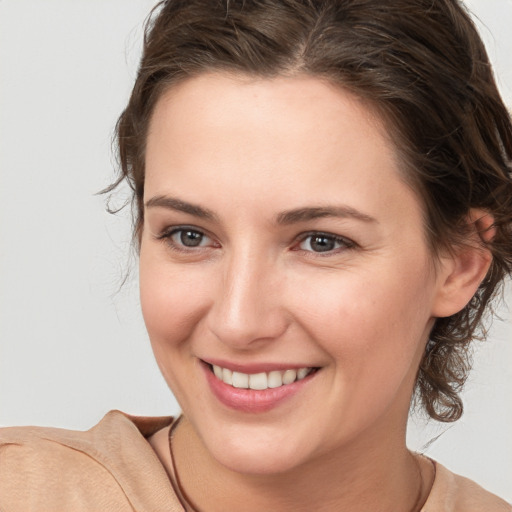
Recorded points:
372,327
353,303
173,300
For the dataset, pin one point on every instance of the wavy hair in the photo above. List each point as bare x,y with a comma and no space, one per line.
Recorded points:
420,63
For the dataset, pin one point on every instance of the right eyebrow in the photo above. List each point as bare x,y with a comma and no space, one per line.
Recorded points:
319,212
172,203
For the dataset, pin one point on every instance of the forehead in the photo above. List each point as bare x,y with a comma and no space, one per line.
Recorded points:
218,97
285,138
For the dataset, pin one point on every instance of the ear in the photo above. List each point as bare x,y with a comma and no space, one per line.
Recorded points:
462,271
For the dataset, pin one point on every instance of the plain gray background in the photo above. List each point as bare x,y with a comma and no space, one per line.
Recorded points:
71,346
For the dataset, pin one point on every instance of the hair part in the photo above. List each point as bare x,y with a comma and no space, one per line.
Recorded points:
419,63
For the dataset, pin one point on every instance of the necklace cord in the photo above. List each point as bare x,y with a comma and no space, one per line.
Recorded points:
187,506
175,479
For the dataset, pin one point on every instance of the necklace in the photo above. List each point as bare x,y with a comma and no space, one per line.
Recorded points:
187,506
175,479
418,505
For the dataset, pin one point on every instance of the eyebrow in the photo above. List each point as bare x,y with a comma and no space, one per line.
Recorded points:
319,212
172,203
284,218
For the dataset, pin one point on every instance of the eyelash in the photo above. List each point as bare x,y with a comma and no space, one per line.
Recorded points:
167,236
345,243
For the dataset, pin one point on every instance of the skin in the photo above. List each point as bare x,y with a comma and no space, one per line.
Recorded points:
255,291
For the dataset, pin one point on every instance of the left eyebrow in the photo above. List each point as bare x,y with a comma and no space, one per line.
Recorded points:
310,213
173,203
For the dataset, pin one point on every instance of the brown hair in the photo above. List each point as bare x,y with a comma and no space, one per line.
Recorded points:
420,63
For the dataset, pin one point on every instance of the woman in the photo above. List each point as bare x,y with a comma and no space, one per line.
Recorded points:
322,197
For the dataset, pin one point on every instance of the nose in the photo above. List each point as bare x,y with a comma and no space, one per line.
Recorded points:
248,310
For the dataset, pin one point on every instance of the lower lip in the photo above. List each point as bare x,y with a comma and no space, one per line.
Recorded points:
252,400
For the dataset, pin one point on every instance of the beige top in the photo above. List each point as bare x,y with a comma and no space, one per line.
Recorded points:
113,467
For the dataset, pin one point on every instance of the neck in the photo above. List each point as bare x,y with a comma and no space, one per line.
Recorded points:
366,475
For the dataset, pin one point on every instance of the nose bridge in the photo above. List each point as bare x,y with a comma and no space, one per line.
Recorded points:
247,307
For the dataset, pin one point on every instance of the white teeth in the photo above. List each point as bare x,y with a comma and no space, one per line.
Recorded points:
289,376
260,381
240,380
274,380
227,376
302,372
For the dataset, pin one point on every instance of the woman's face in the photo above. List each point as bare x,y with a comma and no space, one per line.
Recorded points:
279,241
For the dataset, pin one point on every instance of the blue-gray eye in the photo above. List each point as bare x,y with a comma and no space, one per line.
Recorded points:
322,243
189,238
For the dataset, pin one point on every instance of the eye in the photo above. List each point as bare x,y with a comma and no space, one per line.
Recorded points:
189,238
184,238
324,242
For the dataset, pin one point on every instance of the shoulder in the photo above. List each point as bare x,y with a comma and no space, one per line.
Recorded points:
456,493
109,467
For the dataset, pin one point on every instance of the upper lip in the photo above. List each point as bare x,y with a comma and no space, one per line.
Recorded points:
251,368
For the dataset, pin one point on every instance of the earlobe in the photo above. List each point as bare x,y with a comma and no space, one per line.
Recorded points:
462,271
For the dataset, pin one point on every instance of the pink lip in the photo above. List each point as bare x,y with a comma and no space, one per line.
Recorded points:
251,400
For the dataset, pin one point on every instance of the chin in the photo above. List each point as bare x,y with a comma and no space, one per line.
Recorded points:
259,454
257,462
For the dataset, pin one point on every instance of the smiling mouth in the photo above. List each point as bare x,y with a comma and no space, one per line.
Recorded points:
260,381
